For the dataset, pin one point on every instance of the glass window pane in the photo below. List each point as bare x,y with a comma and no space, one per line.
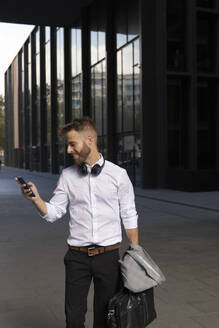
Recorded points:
173,148
93,47
119,93
74,52
121,21
177,109
205,33
98,99
38,97
101,45
128,88
104,98
37,41
76,96
93,92
47,34
48,100
126,153
137,99
136,53
205,3
206,117
133,19
78,47
203,98
60,93
137,95
30,91
175,35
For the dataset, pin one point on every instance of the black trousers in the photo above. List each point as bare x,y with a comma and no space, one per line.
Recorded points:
79,271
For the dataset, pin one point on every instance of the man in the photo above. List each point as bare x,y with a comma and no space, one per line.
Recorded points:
99,194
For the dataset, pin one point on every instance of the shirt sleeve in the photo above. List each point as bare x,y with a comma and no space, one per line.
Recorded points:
126,195
57,206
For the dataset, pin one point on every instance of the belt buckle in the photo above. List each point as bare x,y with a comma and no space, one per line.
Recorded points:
90,251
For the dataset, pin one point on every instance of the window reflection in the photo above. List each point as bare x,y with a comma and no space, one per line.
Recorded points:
76,73
98,72
29,103
98,96
205,3
128,105
119,126
127,21
94,46
133,19
177,122
36,148
206,117
205,34
60,93
22,117
175,35
48,93
76,96
101,45
128,110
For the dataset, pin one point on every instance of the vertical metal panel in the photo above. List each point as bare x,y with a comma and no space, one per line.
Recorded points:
67,74
20,123
10,117
6,145
26,111
43,112
54,125
20,111
111,70
67,84
15,102
161,92
191,66
152,75
86,74
217,84
33,82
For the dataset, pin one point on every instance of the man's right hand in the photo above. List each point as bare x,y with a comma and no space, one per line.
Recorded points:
27,192
37,200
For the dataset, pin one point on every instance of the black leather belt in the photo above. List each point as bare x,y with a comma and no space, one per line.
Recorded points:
95,250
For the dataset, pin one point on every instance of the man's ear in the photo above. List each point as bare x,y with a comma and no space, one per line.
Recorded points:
90,139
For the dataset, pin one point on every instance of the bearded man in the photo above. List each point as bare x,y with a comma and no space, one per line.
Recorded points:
98,195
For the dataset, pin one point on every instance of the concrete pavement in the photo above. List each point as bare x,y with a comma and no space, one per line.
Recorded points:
180,231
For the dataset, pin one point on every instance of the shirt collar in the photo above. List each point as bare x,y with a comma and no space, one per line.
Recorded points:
100,162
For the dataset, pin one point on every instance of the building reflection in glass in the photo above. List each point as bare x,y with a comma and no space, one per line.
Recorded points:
48,93
60,93
98,73
76,73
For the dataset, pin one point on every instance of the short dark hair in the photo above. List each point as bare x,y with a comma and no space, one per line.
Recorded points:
78,124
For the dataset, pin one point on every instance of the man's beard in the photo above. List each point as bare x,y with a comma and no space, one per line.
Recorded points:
82,155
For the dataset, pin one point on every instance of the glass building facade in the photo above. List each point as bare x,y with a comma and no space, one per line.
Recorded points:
146,73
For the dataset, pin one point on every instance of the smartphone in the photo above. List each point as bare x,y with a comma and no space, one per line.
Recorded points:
21,180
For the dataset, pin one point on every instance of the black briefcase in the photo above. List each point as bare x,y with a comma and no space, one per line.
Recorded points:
131,310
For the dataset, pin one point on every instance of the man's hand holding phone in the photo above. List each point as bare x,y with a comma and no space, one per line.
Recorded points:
28,190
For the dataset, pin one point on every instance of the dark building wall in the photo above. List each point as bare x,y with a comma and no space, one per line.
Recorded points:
145,71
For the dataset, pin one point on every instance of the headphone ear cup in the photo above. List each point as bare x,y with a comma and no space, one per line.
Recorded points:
83,169
96,169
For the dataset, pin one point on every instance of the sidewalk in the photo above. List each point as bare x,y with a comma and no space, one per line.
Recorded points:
180,231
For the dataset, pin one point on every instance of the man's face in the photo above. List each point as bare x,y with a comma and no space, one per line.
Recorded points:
77,146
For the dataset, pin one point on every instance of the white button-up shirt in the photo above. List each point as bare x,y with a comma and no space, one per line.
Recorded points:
96,204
